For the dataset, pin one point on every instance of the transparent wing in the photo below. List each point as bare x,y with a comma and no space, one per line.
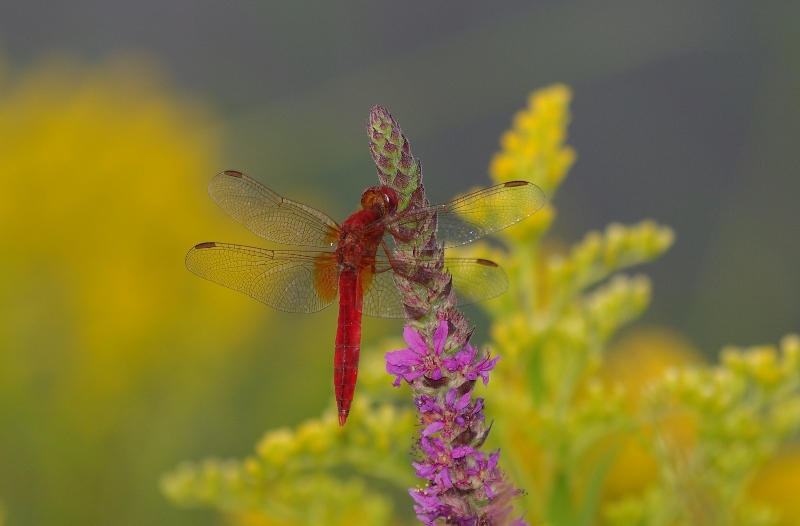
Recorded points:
269,215
473,280
287,280
478,214
381,297
476,280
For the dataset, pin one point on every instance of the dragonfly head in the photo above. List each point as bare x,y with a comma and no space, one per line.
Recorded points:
380,198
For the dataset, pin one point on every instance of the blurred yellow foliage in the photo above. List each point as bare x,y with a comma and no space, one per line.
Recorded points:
254,519
777,484
100,205
103,194
633,362
642,356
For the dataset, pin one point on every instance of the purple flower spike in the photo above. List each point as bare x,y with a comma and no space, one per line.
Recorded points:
465,487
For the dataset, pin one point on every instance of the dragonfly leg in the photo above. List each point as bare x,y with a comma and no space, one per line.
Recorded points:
395,267
392,228
397,235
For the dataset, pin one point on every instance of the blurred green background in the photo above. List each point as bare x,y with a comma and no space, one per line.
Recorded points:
116,363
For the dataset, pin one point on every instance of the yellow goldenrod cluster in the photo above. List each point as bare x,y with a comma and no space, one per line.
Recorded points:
560,426
289,478
534,150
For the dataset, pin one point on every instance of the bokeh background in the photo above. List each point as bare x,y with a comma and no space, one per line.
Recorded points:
116,363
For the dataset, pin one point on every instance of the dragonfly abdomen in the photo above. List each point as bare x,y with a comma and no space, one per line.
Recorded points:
348,341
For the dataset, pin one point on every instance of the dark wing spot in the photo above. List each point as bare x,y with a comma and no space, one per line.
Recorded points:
486,262
209,244
516,183
232,173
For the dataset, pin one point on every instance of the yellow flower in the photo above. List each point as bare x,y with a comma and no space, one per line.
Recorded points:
534,148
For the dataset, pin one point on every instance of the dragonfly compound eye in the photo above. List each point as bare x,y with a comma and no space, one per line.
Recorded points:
374,198
390,198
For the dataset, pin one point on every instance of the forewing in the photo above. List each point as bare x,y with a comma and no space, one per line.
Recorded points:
480,213
269,215
287,280
474,280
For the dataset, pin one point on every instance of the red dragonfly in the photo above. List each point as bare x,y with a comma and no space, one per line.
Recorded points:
307,281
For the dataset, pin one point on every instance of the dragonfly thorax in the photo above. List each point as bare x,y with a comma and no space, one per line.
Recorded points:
358,238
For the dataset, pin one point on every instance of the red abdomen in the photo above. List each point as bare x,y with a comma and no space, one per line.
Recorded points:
348,341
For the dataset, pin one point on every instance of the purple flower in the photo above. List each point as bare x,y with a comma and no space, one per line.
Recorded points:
486,471
439,459
417,360
452,418
464,363
429,506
